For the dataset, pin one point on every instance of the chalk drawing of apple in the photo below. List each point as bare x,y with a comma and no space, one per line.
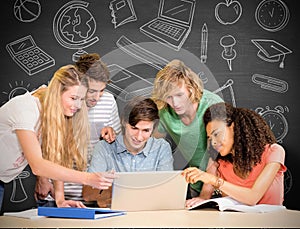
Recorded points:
228,12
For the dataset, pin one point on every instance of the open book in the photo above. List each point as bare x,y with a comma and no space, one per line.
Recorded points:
229,204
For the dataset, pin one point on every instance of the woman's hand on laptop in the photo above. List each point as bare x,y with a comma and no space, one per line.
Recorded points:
91,192
192,175
101,180
106,179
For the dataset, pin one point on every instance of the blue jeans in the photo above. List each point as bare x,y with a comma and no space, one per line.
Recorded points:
1,193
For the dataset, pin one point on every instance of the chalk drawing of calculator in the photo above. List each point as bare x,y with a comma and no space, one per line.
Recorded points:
29,56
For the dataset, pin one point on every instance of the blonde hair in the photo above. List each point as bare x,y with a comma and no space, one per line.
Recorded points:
174,74
64,139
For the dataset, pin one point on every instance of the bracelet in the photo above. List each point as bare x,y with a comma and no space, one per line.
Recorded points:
219,183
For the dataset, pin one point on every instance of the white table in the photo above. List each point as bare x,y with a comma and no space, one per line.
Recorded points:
168,218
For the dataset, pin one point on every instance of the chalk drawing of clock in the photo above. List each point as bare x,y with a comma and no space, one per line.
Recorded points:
275,120
272,15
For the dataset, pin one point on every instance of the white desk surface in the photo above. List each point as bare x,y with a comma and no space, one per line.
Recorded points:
168,218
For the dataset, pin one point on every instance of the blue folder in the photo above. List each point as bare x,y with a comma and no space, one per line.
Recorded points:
79,213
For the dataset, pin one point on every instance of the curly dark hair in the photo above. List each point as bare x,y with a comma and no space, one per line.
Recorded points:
251,135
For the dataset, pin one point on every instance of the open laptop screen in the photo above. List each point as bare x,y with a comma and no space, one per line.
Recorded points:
156,190
177,10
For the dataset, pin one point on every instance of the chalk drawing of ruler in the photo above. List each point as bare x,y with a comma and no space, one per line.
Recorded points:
145,56
140,53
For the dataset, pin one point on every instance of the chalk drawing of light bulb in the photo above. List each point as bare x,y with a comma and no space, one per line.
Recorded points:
15,88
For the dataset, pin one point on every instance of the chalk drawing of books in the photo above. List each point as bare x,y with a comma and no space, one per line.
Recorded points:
122,12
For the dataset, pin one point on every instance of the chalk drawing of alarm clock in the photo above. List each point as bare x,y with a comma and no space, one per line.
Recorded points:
276,120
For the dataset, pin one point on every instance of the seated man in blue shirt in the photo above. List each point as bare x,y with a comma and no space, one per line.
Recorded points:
133,150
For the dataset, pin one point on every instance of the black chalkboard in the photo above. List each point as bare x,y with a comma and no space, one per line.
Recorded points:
246,51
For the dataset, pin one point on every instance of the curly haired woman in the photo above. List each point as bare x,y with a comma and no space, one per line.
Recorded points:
250,164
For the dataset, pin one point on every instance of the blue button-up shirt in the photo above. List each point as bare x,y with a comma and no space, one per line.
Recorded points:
156,156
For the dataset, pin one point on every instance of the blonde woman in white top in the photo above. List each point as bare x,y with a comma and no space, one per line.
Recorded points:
57,115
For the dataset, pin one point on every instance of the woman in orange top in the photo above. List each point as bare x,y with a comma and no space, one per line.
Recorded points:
249,163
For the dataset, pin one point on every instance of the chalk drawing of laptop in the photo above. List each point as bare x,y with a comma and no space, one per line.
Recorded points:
151,190
173,24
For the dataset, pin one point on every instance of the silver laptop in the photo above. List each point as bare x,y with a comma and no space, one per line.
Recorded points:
173,23
142,191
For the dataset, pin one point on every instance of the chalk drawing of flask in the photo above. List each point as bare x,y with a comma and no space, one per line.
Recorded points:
227,42
17,184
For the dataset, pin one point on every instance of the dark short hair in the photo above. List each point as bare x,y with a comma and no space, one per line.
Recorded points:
139,109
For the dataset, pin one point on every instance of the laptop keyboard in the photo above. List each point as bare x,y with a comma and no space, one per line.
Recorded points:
167,29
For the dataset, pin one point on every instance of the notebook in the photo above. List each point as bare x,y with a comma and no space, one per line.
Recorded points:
142,191
77,213
173,23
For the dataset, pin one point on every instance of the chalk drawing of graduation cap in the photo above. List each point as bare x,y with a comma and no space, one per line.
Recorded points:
271,51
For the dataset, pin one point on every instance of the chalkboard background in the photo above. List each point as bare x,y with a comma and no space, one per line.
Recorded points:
247,73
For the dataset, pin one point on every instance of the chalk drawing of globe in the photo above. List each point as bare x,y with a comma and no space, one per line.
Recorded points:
77,25
74,27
